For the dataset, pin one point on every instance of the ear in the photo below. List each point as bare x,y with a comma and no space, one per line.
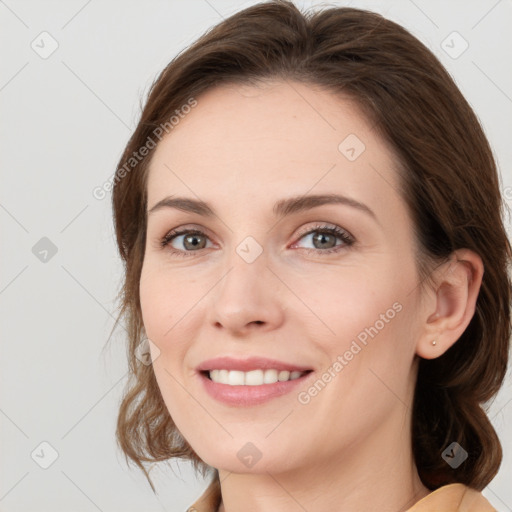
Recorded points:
448,311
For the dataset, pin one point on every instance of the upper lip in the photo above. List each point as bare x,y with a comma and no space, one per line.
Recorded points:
246,365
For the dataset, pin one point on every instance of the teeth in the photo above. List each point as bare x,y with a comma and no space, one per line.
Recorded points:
283,375
235,378
268,377
252,378
257,377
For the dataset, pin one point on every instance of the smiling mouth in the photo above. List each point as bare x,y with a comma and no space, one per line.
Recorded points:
256,377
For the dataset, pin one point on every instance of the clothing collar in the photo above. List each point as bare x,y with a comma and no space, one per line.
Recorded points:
448,498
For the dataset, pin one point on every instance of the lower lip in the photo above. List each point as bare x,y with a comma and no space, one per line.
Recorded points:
241,396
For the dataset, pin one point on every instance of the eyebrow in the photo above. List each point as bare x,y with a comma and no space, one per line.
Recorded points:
282,208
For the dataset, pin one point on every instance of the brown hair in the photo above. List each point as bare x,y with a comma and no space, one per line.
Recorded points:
449,181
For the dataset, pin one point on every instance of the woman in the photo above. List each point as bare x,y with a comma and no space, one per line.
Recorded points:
310,217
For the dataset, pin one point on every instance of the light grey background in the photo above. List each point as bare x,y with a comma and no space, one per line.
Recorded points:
64,122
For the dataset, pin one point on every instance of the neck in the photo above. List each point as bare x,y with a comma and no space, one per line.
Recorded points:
372,474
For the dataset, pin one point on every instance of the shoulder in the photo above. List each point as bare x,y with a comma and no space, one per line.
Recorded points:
209,501
454,498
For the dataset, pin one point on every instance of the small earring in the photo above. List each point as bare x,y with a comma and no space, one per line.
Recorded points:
434,342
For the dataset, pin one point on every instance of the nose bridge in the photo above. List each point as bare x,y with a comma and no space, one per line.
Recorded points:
246,293
247,274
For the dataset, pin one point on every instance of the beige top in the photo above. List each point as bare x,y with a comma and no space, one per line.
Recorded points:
449,498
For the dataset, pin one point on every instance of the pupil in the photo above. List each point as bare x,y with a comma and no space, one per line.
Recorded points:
192,240
321,237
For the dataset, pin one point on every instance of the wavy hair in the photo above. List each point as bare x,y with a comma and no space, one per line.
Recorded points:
449,182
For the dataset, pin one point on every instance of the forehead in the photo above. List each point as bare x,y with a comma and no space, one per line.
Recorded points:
280,138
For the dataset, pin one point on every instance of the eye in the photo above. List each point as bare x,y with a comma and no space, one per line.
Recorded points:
192,239
324,238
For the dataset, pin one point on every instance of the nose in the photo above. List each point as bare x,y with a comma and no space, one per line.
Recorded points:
247,298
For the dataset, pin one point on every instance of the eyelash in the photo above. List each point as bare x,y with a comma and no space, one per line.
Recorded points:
321,228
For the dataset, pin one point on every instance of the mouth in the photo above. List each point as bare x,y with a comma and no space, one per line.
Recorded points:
248,382
256,377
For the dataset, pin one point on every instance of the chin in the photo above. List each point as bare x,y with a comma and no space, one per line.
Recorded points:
248,459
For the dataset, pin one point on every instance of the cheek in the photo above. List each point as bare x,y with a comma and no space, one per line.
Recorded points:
362,314
163,301
345,300
152,306
162,308
169,306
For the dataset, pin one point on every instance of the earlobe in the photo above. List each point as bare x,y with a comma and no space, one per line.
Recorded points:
454,302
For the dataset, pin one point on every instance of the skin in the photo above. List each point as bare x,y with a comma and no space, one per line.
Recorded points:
241,149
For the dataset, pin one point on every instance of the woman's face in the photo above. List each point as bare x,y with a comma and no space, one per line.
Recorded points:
260,273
